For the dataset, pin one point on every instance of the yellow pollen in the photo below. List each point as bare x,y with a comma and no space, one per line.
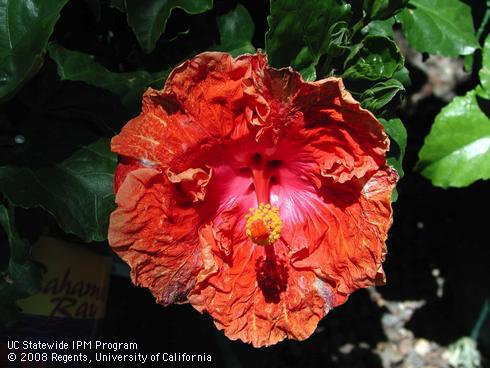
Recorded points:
264,224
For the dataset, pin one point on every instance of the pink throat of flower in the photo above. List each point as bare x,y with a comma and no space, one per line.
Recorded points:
263,174
267,178
263,224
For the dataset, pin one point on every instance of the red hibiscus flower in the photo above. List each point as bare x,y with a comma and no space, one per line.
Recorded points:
257,197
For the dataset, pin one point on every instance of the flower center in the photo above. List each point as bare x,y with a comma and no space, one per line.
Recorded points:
264,224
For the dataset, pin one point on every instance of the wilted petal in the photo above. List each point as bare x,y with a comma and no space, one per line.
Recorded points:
156,234
357,220
232,154
345,139
258,297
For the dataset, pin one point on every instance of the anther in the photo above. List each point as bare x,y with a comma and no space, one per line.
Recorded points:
263,224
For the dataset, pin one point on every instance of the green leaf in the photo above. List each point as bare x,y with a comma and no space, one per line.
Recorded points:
77,66
398,143
25,27
148,18
380,27
403,76
236,30
78,192
335,44
443,27
485,70
456,152
22,271
22,276
377,98
374,58
468,62
301,32
382,9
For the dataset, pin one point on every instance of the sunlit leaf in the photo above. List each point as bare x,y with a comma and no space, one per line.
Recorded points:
485,69
456,152
442,27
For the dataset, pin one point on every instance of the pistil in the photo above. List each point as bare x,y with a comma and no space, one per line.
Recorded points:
261,180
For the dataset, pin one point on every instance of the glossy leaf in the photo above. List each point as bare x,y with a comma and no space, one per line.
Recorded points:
77,66
378,98
25,27
78,192
22,276
148,18
301,32
375,58
236,30
442,27
456,152
382,9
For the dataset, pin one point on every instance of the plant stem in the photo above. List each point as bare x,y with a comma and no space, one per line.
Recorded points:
475,332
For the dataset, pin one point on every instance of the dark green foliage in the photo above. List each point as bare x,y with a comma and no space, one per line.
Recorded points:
301,32
236,29
25,27
80,67
76,191
374,58
21,276
148,18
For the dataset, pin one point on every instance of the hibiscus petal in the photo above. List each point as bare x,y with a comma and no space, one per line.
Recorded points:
259,298
200,104
156,234
346,140
192,182
357,217
223,136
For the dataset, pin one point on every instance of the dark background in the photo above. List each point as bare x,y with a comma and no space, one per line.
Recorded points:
447,230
